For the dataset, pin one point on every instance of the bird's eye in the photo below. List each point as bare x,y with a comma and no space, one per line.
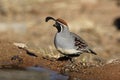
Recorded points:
58,24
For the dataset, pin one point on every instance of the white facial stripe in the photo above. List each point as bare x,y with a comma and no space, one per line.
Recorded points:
61,28
62,23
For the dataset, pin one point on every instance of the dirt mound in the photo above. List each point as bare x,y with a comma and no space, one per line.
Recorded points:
12,56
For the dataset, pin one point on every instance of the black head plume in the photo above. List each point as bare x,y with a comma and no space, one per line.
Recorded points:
59,23
49,18
59,20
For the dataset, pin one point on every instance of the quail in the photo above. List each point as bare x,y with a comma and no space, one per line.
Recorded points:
68,43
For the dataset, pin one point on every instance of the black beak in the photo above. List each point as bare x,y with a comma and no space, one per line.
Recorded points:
54,25
50,18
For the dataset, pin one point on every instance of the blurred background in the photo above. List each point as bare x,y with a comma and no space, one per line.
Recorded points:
96,21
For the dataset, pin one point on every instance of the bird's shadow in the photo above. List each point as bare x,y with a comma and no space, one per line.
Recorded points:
68,57
63,58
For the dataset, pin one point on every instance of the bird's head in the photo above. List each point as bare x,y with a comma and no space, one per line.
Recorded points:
60,24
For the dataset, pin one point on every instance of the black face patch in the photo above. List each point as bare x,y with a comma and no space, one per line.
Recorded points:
58,26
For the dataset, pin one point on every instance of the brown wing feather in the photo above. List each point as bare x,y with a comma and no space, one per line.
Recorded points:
81,44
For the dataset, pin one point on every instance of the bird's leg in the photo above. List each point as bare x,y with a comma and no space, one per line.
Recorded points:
71,60
72,57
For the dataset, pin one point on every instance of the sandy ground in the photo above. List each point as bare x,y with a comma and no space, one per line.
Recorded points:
14,57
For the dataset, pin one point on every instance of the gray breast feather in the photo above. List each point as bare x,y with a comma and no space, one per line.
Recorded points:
63,41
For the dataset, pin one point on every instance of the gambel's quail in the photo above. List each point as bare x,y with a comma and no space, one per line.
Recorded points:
68,43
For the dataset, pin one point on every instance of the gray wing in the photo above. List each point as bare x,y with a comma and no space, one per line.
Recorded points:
81,44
